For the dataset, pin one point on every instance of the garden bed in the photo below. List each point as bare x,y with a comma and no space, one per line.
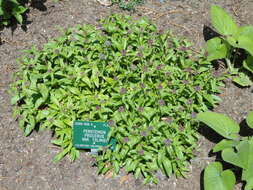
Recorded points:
26,162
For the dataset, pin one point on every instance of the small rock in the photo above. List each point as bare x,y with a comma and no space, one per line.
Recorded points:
106,3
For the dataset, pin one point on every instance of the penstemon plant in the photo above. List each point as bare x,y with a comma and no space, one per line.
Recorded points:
227,45
147,84
235,150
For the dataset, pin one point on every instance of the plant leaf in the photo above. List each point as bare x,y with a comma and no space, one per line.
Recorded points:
249,184
60,155
17,13
137,173
246,43
74,90
148,113
224,144
216,49
249,119
215,178
241,41
240,157
29,128
167,166
94,76
247,173
116,166
243,80
15,99
246,31
222,21
222,124
43,90
248,177
248,63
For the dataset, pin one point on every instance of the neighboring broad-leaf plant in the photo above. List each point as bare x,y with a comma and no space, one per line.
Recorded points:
235,150
227,45
11,9
146,84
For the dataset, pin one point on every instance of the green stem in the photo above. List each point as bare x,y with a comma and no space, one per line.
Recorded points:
230,68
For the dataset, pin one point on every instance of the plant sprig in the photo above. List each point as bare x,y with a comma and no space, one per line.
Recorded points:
235,150
9,9
226,46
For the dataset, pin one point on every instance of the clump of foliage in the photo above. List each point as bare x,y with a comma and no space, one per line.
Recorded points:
145,83
11,9
127,4
226,46
235,150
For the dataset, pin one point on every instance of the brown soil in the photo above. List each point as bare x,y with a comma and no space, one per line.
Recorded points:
26,162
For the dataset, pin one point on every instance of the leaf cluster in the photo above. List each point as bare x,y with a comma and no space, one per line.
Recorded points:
146,83
11,9
232,38
235,150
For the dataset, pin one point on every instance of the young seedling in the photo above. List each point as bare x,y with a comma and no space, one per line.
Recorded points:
226,46
235,150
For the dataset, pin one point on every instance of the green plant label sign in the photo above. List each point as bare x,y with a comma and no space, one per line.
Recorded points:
91,135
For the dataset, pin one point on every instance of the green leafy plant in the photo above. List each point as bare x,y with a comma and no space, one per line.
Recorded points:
232,38
235,150
127,4
9,9
146,83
